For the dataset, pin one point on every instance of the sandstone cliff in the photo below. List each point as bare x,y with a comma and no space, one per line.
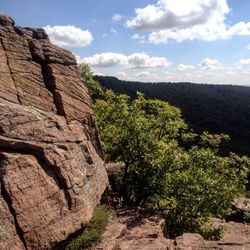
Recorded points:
51,177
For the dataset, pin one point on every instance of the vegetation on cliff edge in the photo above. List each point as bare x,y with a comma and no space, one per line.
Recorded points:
168,167
93,232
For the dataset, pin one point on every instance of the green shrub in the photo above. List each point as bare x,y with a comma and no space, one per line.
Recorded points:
167,166
210,232
247,194
247,218
93,232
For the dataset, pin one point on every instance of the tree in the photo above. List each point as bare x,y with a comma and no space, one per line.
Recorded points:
95,89
167,167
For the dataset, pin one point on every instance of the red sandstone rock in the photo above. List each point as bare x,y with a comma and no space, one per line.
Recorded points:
237,237
51,176
189,241
129,231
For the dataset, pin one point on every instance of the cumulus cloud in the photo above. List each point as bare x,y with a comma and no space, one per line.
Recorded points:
98,73
116,17
121,74
244,62
209,63
69,36
137,37
180,20
184,67
144,74
133,61
107,59
210,70
167,14
143,60
78,59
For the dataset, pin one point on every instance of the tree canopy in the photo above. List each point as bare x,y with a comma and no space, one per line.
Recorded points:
214,108
168,167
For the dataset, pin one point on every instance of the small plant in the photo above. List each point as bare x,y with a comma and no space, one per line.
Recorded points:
210,232
247,218
93,232
248,194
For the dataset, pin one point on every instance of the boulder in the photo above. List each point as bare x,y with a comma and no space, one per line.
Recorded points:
51,176
242,204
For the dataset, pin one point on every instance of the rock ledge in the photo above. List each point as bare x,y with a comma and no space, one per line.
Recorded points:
51,176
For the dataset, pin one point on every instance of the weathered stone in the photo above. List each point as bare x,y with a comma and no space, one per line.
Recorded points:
237,237
189,241
6,20
129,231
51,176
9,238
242,204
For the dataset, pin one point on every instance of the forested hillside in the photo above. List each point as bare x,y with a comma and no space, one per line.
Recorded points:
215,108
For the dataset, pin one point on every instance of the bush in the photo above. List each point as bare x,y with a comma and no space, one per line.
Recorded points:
167,167
210,232
246,218
93,232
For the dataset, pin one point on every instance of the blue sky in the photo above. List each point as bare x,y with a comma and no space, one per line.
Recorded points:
204,41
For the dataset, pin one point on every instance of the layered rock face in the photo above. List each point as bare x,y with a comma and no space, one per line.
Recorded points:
51,176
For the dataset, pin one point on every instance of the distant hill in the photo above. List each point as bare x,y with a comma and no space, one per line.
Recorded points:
215,108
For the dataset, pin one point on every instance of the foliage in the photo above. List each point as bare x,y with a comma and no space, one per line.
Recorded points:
95,89
93,232
215,108
210,232
168,167
247,218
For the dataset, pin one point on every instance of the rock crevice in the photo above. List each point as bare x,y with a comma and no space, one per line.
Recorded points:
9,68
49,169
51,174
7,198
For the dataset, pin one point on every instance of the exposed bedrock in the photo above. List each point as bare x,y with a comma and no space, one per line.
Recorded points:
51,176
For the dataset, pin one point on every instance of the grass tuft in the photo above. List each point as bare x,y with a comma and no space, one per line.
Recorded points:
93,232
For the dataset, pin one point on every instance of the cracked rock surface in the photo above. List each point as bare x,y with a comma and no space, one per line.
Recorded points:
51,176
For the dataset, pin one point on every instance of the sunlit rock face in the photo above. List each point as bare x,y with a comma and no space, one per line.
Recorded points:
51,176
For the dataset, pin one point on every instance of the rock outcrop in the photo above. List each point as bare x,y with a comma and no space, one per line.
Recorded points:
51,176
237,237
131,230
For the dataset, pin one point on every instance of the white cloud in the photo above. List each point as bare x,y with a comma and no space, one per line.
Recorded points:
210,64
209,71
78,59
143,60
143,74
167,14
113,30
180,20
107,59
243,62
69,36
137,37
98,73
184,67
133,61
121,75
248,46
116,17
